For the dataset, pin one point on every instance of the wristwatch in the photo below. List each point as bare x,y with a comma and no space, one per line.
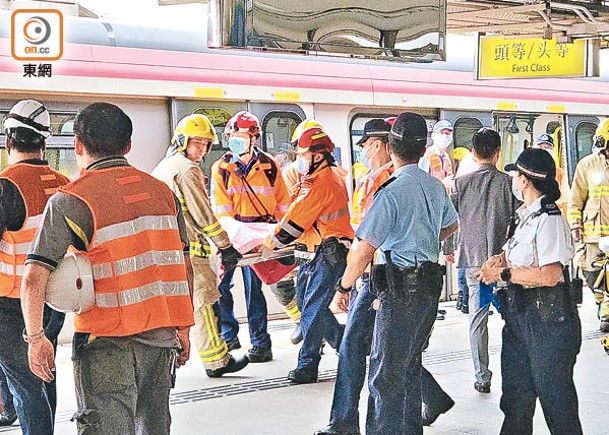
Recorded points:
339,287
506,274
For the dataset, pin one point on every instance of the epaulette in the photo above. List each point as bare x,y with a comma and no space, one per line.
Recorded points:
382,186
550,209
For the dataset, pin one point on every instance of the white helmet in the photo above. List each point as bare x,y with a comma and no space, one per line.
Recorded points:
29,114
70,286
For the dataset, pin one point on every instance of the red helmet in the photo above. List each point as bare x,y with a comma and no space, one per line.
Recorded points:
315,140
390,120
243,122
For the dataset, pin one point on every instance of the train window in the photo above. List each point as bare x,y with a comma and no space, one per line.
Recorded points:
277,130
552,126
584,137
464,129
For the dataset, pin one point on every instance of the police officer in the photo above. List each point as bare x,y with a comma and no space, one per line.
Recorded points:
542,332
409,216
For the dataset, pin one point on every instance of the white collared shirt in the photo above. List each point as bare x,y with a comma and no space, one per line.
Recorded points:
539,240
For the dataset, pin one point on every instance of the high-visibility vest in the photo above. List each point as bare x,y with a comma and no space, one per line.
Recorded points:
36,183
258,196
136,253
364,191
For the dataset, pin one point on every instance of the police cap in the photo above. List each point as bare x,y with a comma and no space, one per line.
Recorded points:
534,163
375,128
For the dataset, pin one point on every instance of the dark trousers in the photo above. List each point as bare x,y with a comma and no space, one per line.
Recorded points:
537,359
255,304
395,375
354,348
315,287
33,400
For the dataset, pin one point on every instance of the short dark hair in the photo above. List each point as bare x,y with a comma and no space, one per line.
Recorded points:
486,142
408,136
407,150
104,129
25,140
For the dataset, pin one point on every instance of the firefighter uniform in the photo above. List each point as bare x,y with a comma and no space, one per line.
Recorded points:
254,192
320,212
185,179
589,212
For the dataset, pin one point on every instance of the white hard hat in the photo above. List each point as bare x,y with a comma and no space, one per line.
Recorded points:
29,114
603,244
70,287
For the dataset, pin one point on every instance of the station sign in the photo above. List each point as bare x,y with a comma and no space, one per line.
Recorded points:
500,58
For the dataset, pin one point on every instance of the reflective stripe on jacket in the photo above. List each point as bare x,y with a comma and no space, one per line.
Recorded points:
321,211
185,179
36,184
589,202
136,253
266,194
364,191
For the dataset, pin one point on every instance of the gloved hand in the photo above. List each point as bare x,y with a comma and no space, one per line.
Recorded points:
230,256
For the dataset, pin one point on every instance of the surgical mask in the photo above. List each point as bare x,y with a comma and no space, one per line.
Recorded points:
365,159
302,165
238,145
442,140
517,193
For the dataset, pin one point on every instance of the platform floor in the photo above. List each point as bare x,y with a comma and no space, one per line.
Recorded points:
260,400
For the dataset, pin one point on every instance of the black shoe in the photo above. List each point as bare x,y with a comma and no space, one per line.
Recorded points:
7,419
234,344
259,354
459,304
483,387
604,326
442,312
303,376
296,336
234,365
431,415
465,309
329,431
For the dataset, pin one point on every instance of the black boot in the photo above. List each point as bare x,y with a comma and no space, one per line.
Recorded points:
305,375
7,419
233,365
259,354
459,305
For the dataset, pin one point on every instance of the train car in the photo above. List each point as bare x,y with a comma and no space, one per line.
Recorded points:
160,75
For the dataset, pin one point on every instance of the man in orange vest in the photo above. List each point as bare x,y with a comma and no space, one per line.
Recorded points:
26,185
247,186
131,229
320,211
436,161
180,170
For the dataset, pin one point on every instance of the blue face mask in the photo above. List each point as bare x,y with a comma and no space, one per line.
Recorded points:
302,165
237,145
363,159
517,193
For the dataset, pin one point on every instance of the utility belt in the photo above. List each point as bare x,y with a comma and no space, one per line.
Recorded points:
407,285
550,302
333,249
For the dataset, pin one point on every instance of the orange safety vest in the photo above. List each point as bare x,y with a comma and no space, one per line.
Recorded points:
136,253
36,183
266,194
440,165
365,189
321,211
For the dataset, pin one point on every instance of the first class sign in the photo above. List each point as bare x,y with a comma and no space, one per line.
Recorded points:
500,58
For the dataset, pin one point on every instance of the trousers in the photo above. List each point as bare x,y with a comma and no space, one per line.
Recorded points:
122,387
537,359
255,304
478,327
351,374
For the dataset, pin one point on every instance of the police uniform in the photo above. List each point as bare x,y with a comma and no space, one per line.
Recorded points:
542,332
408,238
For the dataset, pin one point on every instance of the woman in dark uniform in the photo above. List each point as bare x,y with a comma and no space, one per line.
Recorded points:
542,332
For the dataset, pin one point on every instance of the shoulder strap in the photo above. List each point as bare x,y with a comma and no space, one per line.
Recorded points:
271,173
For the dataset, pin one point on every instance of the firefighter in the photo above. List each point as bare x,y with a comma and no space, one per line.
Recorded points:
247,186
192,141
320,212
131,227
26,185
589,212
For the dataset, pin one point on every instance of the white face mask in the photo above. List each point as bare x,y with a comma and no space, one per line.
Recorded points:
517,193
302,165
442,140
237,145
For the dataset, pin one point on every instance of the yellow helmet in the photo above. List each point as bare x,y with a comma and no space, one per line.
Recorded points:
304,125
601,137
459,153
195,125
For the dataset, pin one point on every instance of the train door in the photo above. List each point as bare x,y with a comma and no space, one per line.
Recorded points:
580,137
465,124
